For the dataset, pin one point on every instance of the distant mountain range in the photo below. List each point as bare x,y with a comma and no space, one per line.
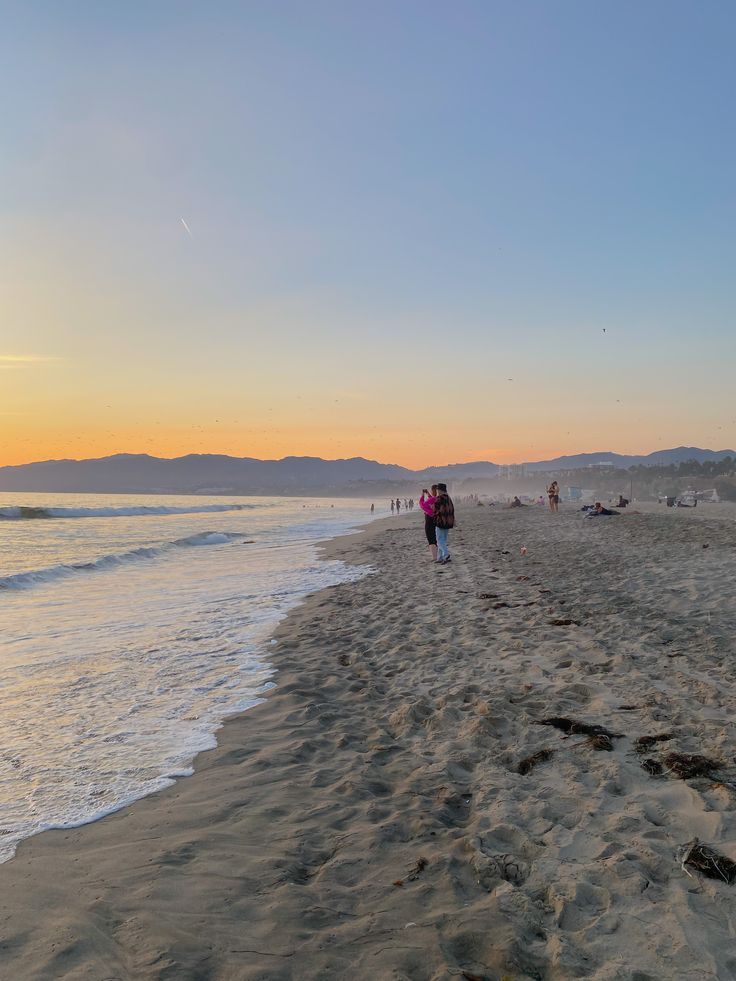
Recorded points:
660,458
214,474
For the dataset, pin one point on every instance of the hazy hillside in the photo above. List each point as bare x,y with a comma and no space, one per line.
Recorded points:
213,474
679,454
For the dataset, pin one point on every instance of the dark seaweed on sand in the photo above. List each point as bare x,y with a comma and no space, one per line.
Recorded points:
417,869
598,736
572,727
643,743
653,767
527,765
686,766
601,741
708,861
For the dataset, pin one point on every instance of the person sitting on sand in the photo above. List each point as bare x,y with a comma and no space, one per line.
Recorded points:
444,519
599,511
516,503
426,503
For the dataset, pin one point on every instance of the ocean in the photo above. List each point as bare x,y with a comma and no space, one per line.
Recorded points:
130,627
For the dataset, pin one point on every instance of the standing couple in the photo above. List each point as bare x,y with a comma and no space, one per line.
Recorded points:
439,517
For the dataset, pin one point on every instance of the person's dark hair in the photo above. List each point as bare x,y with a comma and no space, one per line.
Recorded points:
442,487
433,488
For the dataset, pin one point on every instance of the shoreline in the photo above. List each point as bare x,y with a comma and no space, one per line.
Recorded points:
404,703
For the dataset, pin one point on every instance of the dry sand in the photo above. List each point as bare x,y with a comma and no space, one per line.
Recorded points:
404,705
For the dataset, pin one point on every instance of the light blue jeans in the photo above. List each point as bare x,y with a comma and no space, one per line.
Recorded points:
442,550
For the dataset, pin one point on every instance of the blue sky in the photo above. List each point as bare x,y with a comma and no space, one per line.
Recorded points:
392,205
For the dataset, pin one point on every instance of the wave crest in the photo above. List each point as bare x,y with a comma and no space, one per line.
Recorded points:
24,513
35,577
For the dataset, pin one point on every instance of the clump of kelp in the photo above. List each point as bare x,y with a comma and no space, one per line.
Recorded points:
706,860
685,766
599,737
527,765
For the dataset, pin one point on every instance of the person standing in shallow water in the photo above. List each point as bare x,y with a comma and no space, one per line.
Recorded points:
426,503
444,519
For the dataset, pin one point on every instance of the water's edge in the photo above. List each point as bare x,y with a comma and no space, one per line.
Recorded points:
263,657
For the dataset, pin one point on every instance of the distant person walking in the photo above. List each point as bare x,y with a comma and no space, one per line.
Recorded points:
553,493
373,508
444,519
398,505
426,503
392,505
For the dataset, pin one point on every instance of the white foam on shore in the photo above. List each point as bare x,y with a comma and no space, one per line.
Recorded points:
121,669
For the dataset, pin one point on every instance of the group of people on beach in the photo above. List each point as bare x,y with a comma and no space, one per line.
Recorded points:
396,505
439,517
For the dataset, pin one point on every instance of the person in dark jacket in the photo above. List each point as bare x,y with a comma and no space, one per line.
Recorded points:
444,519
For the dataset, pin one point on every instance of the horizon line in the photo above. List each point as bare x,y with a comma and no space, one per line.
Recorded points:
307,456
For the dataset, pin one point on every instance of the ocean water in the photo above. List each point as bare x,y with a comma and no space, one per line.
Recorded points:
130,627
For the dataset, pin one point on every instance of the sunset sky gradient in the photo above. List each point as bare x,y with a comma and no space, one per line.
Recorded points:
420,232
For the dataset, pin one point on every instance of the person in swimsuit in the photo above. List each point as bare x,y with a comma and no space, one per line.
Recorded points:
553,492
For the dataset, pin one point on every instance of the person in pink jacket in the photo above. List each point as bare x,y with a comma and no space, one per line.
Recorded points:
426,503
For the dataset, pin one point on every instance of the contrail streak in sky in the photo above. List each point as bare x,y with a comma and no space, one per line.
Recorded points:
188,229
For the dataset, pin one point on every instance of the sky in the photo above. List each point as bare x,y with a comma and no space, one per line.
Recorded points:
415,231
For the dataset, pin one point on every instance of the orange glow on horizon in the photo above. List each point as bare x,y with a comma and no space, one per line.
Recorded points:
406,449
26,449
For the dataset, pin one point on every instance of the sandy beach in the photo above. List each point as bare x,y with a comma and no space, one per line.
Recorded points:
369,819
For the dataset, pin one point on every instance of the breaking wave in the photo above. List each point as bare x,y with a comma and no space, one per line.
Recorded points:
29,513
36,577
